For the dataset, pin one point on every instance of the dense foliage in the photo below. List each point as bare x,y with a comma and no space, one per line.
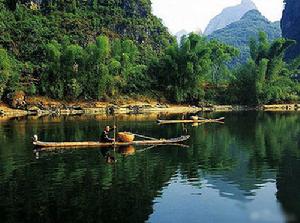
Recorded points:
28,27
97,71
8,72
290,25
185,70
266,78
238,33
102,49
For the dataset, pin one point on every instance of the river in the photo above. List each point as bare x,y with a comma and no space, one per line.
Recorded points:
246,170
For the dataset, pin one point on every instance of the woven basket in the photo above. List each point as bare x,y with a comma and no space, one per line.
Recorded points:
125,137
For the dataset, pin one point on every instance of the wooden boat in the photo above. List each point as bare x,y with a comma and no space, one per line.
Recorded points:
44,145
218,120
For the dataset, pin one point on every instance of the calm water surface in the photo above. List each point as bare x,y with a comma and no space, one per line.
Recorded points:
247,170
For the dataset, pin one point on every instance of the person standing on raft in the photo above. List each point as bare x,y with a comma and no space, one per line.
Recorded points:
105,134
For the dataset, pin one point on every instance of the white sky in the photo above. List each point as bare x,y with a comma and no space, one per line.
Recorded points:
194,14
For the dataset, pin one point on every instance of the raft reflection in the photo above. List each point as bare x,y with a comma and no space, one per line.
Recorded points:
236,161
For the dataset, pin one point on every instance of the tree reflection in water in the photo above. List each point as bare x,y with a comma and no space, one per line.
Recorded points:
236,159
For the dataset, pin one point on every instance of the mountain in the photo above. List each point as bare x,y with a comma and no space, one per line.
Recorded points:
290,24
29,24
238,33
229,15
74,48
199,31
183,32
180,34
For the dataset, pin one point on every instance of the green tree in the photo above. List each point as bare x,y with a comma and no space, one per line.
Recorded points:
268,75
185,70
8,74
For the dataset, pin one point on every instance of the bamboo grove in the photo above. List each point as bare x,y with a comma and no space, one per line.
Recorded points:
75,53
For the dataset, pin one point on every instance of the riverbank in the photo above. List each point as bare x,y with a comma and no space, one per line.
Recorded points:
44,106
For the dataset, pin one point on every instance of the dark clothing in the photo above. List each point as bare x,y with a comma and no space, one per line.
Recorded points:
105,137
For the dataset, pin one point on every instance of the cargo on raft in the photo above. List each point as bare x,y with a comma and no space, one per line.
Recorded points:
125,137
46,145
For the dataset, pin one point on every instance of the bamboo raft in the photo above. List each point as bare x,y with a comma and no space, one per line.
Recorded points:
50,145
218,120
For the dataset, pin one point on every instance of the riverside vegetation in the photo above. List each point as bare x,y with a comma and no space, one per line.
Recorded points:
100,50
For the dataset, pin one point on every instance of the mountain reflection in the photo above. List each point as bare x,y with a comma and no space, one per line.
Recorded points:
236,159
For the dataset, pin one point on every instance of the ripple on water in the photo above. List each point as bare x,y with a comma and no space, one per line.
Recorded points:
226,165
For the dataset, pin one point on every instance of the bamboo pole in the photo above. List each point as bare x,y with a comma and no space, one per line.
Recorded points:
219,120
114,132
146,137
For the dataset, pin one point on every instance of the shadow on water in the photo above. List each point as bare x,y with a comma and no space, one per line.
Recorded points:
237,159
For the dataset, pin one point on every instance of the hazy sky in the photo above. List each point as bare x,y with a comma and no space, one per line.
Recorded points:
194,14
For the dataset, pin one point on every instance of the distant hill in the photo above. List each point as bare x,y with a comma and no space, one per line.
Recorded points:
180,34
183,32
290,25
229,15
238,33
199,31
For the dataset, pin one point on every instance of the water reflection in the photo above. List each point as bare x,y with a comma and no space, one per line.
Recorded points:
288,182
230,172
126,150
